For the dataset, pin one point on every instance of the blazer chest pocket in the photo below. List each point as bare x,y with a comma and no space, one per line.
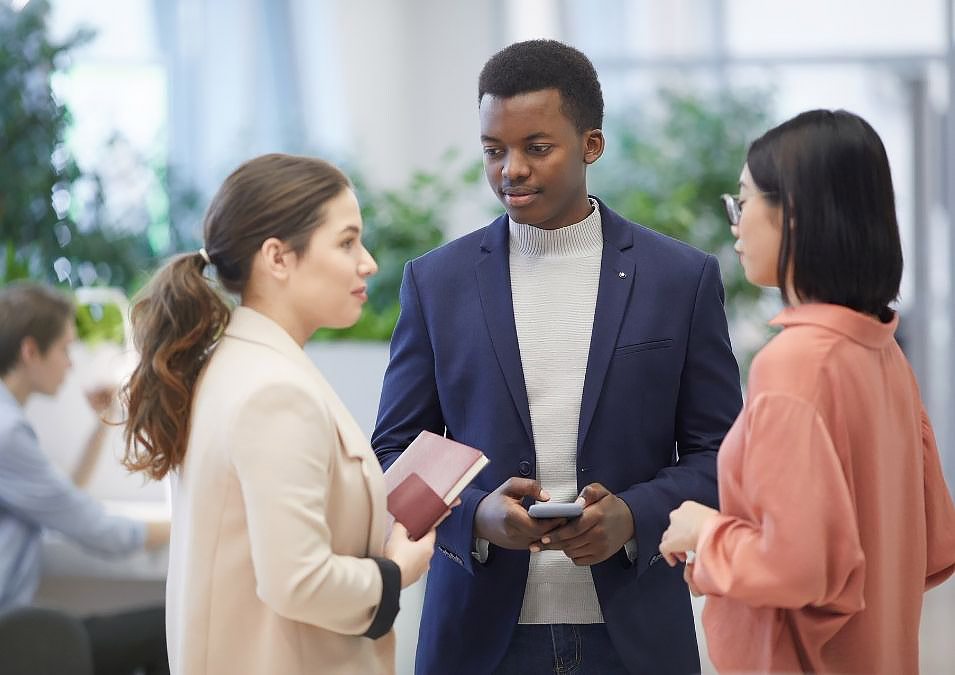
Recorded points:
627,350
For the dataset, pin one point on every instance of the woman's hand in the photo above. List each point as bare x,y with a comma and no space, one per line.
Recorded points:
688,578
686,524
412,557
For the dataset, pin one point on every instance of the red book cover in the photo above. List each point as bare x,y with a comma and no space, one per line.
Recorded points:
427,477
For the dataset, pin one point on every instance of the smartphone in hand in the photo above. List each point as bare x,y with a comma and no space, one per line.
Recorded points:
549,510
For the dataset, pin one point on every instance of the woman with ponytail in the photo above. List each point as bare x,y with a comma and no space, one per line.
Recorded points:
278,558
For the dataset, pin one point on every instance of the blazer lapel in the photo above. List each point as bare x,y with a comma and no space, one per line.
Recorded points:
494,285
249,325
613,293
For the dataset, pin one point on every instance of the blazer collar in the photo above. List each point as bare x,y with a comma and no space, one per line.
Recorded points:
252,326
615,284
615,230
859,327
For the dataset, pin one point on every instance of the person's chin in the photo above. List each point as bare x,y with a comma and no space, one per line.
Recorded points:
348,321
525,215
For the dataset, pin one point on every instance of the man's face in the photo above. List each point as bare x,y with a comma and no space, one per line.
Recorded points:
535,159
46,370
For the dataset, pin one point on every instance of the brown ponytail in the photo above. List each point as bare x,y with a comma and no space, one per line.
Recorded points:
179,317
175,323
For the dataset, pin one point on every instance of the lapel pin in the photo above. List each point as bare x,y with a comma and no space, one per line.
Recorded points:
622,275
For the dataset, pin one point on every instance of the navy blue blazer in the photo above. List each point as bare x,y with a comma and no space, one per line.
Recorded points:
660,392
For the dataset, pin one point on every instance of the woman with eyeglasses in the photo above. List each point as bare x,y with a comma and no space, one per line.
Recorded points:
834,516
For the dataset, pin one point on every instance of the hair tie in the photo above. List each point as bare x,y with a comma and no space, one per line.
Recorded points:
205,256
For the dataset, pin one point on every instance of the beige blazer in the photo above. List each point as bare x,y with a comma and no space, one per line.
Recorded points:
276,509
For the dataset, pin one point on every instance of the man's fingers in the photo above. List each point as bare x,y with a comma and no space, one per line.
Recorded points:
573,529
591,494
522,524
585,558
524,487
567,544
577,547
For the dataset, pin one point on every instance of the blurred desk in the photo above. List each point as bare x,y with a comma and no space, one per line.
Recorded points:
81,582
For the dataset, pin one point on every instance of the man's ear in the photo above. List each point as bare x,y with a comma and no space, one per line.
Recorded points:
29,350
593,145
276,258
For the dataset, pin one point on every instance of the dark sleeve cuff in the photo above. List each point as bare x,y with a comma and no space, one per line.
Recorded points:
390,592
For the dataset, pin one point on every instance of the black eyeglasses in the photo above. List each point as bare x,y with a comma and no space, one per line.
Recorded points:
732,208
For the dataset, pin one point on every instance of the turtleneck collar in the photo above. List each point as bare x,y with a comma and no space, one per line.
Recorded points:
572,241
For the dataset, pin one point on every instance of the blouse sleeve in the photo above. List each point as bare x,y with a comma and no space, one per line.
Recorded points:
939,514
282,447
798,543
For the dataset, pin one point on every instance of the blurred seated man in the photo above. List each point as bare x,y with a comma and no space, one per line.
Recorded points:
36,328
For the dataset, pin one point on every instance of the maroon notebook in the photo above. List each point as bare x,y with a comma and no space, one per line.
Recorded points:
427,477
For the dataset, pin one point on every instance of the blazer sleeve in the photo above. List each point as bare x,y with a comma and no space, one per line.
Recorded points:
282,444
708,404
799,543
939,514
409,404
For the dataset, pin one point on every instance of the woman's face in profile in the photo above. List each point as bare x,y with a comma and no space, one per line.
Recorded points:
759,233
328,282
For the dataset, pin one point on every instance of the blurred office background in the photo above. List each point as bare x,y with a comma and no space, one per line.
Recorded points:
119,118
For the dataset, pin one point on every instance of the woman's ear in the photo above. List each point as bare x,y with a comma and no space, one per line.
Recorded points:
275,258
593,145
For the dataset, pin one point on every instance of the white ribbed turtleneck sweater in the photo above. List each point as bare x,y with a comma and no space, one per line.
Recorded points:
554,275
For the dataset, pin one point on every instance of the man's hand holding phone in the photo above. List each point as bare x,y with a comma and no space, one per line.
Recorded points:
605,525
555,510
502,519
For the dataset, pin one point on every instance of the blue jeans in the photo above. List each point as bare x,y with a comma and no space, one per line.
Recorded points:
546,649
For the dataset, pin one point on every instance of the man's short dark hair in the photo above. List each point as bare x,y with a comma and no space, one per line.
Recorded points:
547,64
29,309
829,172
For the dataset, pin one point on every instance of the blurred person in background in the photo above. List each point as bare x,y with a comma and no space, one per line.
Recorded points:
101,400
278,560
36,329
834,516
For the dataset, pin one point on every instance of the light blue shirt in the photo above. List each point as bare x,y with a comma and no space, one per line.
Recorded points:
35,495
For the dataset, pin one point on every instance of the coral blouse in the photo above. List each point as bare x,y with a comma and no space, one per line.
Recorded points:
834,515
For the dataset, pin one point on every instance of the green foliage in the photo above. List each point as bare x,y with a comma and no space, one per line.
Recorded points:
99,323
667,170
50,212
13,268
400,225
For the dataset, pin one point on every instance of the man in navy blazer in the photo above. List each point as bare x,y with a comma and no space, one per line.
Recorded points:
587,357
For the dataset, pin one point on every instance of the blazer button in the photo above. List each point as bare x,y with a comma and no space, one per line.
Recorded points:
525,467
